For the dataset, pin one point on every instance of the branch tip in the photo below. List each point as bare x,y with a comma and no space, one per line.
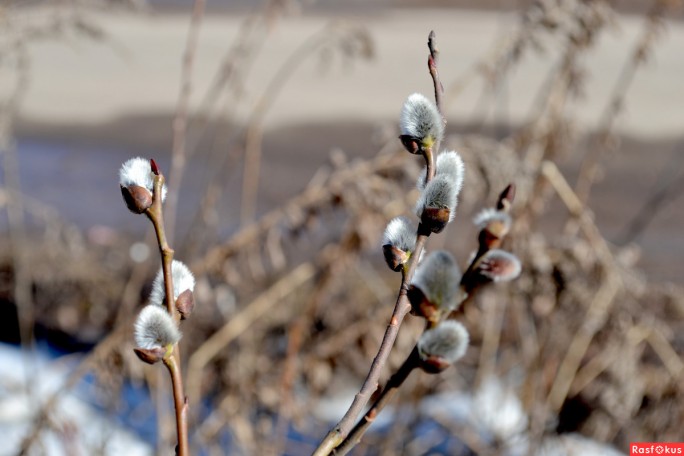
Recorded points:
154,167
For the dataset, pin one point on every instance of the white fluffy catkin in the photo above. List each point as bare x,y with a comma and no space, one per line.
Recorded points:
487,215
138,171
420,119
438,277
448,340
500,266
401,234
155,328
440,193
182,280
448,164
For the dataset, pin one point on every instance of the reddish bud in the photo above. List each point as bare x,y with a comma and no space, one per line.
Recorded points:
495,225
150,355
506,198
411,144
435,219
398,242
488,241
422,306
394,257
499,266
138,199
434,364
154,167
185,304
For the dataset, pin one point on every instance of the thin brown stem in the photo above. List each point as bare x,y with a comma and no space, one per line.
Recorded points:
433,61
180,401
339,433
173,361
254,133
387,394
402,307
155,215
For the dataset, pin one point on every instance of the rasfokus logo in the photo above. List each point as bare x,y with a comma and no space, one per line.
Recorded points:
656,448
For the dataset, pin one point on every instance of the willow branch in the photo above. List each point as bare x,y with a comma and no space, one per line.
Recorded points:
387,394
180,401
402,307
341,430
433,61
173,361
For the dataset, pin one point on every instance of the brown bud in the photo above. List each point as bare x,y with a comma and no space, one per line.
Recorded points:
138,199
150,355
493,233
185,303
434,364
498,266
435,219
487,241
442,345
394,257
411,144
506,198
422,306
499,228
154,167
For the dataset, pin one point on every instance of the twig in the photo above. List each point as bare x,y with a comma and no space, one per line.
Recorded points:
180,402
670,184
553,175
251,37
242,321
387,394
341,430
180,121
597,365
493,325
15,210
333,260
433,61
173,361
254,134
590,165
401,308
101,351
310,198
671,359
603,299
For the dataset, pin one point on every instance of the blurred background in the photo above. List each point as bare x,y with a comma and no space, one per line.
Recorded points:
275,124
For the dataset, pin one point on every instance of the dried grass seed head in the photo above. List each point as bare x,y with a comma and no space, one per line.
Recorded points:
421,120
438,279
182,280
138,171
155,328
442,345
